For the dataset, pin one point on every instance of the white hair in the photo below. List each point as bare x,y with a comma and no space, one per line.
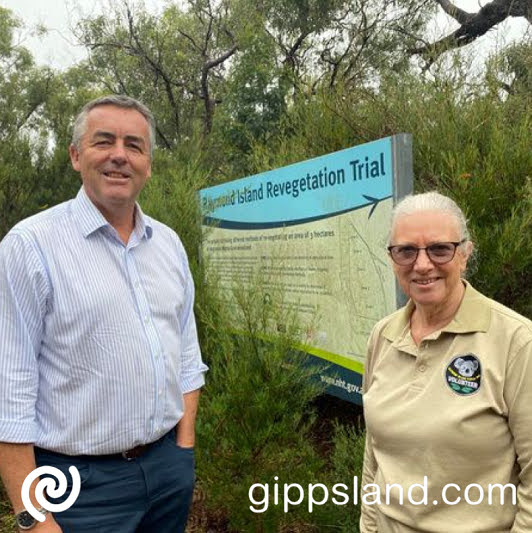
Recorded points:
429,201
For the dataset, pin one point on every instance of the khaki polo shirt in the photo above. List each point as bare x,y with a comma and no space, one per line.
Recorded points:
456,409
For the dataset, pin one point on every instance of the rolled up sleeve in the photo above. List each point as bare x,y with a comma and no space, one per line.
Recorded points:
192,366
24,291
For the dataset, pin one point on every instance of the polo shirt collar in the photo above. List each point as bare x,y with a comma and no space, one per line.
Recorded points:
472,315
90,219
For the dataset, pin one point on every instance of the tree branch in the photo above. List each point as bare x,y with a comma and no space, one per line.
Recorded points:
220,59
474,25
156,68
461,16
187,36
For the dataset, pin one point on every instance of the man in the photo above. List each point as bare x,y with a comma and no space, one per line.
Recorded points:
100,366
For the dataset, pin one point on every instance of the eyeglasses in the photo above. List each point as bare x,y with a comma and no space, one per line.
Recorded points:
439,252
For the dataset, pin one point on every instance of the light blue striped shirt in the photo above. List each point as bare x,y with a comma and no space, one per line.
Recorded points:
98,340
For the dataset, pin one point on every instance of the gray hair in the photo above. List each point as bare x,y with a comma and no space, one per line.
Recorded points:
430,201
117,100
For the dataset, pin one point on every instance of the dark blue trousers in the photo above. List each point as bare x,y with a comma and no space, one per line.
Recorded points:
150,494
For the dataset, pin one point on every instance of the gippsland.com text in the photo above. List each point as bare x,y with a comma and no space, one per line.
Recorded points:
293,494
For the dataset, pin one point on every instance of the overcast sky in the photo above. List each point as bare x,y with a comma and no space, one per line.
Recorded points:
58,49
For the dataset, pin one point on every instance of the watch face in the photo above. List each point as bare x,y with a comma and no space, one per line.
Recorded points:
25,520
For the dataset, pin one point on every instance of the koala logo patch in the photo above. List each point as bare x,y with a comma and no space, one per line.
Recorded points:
463,374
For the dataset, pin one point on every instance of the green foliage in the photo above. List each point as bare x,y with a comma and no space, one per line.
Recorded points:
171,195
33,176
468,143
346,460
511,70
7,518
255,420
255,100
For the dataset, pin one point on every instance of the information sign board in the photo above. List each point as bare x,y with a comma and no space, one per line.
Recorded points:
316,231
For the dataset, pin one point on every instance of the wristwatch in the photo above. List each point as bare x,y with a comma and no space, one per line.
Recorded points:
26,521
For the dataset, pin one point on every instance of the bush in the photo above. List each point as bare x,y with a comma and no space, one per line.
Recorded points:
255,418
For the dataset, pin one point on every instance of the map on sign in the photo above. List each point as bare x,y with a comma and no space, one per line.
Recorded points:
316,233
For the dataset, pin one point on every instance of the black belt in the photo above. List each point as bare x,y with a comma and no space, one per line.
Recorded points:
128,455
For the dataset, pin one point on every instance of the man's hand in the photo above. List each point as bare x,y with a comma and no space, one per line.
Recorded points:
16,462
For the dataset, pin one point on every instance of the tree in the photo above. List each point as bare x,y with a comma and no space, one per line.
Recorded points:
30,160
174,63
515,70
23,89
325,42
182,61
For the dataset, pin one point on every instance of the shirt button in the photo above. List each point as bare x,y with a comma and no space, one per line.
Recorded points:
422,368
146,319
160,392
137,284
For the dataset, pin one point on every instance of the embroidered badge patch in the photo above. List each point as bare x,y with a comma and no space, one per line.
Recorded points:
463,374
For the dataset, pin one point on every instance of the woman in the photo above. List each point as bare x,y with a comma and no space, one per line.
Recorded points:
447,391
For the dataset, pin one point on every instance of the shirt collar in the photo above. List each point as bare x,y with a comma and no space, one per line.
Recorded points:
472,315
143,223
91,219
